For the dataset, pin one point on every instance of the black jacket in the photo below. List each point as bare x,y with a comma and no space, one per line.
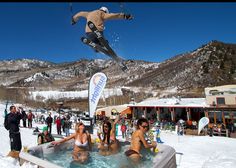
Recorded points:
49,120
14,121
24,115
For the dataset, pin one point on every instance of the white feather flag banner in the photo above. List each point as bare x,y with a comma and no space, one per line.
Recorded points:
202,123
96,85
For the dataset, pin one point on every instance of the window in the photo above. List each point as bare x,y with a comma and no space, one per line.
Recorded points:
165,114
218,117
220,100
211,117
181,114
215,92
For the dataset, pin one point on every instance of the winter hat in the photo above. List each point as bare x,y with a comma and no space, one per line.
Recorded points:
45,128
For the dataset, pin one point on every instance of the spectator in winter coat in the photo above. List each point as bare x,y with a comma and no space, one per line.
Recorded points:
49,121
67,126
63,123
24,117
54,119
123,130
30,118
58,123
13,120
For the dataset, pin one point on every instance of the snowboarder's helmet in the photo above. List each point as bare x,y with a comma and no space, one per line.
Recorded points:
104,9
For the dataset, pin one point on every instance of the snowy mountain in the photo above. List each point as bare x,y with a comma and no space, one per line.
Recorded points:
12,71
76,75
210,65
36,80
22,65
186,74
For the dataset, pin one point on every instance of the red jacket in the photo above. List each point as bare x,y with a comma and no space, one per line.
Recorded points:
58,122
30,116
123,128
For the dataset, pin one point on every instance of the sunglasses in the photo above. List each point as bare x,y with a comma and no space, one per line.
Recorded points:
145,126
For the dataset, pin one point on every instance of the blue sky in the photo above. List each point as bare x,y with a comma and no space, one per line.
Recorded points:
158,31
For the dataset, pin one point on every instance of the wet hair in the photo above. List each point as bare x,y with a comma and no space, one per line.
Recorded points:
141,121
106,135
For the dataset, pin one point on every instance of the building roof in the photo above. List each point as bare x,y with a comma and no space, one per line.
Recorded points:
172,102
225,89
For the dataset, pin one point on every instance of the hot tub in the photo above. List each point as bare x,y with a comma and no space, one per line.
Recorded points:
48,156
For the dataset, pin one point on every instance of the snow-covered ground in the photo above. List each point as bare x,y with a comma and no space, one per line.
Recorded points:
72,94
198,151
106,93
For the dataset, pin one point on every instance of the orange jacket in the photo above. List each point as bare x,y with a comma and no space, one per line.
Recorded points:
97,17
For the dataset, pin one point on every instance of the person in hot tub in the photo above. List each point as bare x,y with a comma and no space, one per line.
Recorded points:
108,143
45,136
138,141
82,144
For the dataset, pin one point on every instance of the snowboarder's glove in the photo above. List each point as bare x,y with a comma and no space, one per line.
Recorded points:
128,16
73,21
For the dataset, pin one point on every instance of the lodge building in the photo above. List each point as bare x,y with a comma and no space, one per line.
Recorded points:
219,106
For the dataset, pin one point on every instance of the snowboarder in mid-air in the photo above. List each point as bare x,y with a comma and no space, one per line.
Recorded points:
94,30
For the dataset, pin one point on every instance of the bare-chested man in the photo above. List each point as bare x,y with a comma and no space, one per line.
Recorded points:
138,139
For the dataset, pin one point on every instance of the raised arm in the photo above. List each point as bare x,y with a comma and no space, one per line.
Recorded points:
108,16
76,17
63,140
113,129
117,119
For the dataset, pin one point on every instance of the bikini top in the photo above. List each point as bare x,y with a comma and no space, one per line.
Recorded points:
112,140
79,144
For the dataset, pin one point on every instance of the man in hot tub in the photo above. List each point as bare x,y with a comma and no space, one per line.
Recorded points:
138,140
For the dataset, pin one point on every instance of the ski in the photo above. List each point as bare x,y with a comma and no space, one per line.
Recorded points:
101,49
110,51
94,45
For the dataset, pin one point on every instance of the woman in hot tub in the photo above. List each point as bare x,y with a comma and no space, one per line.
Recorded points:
108,143
82,144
